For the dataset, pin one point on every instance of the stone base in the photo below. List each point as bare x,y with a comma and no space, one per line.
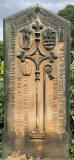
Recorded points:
19,156
55,147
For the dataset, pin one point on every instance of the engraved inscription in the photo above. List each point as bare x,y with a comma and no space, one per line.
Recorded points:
61,34
62,100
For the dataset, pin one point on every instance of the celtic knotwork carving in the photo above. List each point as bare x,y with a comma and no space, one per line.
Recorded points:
48,39
26,39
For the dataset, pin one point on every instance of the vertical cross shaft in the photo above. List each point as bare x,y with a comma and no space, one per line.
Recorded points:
37,28
37,105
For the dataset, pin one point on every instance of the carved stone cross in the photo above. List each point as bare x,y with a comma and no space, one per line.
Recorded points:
38,56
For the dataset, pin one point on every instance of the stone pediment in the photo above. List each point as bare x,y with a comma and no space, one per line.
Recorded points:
44,14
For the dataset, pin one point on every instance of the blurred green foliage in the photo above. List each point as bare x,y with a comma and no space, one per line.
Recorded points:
72,110
72,95
68,13
1,51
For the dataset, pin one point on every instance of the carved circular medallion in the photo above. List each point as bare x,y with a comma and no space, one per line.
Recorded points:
26,39
48,39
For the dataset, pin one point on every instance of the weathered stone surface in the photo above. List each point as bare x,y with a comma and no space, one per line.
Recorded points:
37,61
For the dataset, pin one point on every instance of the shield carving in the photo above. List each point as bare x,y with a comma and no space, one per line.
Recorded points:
48,39
26,39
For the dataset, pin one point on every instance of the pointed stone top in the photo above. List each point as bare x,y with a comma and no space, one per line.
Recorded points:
39,7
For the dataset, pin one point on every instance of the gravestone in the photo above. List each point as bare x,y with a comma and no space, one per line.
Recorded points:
37,67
